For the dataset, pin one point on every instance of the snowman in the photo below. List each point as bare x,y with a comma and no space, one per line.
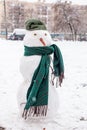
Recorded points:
42,67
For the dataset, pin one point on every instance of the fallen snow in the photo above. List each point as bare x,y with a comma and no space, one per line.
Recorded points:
73,93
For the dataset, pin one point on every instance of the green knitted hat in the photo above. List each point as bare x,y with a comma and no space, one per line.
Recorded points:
34,24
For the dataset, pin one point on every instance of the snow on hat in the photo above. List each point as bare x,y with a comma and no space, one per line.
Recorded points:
34,24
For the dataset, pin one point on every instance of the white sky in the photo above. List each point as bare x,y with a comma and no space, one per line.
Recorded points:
81,2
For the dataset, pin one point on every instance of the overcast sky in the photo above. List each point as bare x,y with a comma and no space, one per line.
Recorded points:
83,2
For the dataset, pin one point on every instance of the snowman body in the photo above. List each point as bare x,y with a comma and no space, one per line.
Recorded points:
29,64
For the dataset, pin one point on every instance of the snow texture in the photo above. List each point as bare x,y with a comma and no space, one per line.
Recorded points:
72,113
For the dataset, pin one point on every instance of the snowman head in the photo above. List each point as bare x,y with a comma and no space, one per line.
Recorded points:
36,34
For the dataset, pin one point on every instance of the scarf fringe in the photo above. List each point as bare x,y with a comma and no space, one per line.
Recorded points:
35,111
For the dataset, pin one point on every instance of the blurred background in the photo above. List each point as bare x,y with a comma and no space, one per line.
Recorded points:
65,20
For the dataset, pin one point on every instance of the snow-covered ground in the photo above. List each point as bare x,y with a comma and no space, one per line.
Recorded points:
73,93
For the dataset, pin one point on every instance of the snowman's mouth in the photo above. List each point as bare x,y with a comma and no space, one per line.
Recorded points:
42,41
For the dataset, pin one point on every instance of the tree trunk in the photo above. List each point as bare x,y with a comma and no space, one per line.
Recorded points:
71,28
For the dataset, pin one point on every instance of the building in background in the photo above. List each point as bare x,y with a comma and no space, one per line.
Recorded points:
2,17
0,14
17,12
15,15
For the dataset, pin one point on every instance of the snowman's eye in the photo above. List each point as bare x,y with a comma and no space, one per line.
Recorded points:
35,34
45,34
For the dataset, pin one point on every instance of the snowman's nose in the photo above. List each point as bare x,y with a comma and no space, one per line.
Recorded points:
42,41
